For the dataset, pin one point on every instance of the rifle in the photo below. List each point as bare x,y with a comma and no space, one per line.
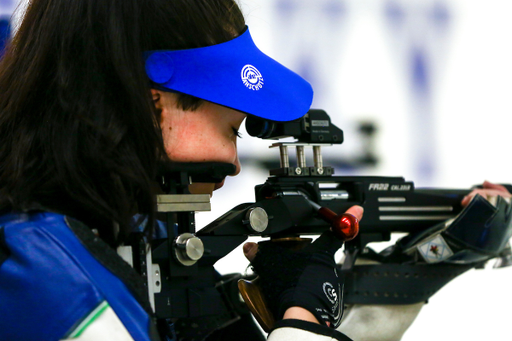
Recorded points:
283,203
183,284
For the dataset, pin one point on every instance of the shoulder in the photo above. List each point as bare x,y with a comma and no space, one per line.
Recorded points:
51,282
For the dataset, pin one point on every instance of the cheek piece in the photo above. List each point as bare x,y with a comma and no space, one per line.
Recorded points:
235,74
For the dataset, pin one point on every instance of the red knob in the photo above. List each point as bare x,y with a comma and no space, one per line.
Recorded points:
345,226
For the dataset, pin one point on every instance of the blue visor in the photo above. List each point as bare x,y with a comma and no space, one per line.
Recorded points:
235,74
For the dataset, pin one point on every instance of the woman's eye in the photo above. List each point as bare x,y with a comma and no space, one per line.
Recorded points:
236,132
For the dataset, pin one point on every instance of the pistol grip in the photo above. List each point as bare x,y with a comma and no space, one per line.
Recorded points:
253,297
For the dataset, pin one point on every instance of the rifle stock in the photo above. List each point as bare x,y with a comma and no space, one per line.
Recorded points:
390,204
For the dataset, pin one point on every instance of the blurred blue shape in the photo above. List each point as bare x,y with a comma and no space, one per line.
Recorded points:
334,9
5,33
395,13
286,8
6,3
420,71
418,33
440,14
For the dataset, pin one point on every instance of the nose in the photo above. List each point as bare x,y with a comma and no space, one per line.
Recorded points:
237,165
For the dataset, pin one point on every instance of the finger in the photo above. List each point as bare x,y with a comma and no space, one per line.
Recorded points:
356,211
482,192
466,200
490,185
250,250
486,193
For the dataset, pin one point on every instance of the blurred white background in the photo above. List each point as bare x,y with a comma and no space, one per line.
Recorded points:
435,78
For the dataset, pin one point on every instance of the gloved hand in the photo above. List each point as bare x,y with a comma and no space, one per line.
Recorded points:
307,278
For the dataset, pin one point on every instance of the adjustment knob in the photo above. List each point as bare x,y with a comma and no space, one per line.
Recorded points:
188,249
256,219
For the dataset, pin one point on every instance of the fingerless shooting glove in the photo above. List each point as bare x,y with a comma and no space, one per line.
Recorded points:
307,278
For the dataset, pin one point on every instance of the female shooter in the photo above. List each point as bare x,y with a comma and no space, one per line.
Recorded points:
93,94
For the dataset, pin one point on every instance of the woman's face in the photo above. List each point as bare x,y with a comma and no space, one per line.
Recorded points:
208,133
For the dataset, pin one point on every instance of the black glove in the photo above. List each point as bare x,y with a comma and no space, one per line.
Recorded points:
306,278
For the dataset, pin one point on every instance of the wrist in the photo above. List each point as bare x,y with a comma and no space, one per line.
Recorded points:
298,313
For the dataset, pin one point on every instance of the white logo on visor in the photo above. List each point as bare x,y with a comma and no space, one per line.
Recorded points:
251,77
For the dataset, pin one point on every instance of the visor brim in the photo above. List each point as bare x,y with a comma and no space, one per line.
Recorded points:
235,74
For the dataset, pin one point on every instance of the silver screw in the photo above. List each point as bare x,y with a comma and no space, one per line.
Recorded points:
301,158
283,151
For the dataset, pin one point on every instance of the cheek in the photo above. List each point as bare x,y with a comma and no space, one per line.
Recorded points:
227,152
181,144
196,143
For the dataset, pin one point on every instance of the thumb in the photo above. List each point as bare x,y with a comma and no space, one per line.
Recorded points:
356,211
250,250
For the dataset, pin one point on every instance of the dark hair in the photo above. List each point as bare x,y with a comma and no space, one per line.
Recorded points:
78,131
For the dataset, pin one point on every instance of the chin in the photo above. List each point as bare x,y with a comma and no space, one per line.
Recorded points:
218,185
